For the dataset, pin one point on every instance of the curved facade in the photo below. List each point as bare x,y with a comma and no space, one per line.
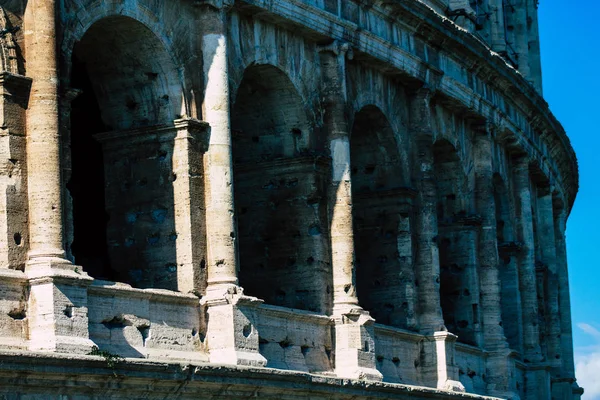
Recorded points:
282,199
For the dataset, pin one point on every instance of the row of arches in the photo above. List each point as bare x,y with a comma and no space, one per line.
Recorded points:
123,202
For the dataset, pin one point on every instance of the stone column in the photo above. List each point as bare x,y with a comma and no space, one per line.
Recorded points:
57,309
497,33
524,217
547,246
535,62
499,367
427,263
354,332
439,368
43,141
521,36
568,385
536,377
340,196
220,220
232,335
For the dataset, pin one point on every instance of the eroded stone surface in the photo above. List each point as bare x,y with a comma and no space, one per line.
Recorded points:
292,200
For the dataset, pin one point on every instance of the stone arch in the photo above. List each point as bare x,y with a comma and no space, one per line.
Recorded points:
457,242
121,181
279,187
382,221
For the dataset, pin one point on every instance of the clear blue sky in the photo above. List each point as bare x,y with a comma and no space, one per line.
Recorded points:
570,40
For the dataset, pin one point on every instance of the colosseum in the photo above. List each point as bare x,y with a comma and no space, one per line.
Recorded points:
281,199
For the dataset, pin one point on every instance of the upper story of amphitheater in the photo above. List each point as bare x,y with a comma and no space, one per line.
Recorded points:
479,59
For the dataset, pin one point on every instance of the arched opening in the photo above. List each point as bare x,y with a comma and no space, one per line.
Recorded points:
508,250
457,242
279,187
382,222
120,185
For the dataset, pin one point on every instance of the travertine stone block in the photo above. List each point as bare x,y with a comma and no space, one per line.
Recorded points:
231,333
355,346
58,313
13,310
437,362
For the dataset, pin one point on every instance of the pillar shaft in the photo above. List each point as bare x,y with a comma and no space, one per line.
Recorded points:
566,337
43,141
220,222
497,26
427,262
535,62
527,276
340,189
547,245
499,364
493,333
521,35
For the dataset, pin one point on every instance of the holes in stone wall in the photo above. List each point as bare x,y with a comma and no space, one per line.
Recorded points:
278,194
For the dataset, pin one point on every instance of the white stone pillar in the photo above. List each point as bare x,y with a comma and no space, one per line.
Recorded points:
340,191
220,220
427,262
354,332
232,335
57,309
499,368
43,138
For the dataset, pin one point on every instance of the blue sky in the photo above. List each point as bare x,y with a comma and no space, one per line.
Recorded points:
570,40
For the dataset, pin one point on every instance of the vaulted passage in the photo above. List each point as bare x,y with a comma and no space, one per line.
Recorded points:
122,196
382,222
279,186
457,242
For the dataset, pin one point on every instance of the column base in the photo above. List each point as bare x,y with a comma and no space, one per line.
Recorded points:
232,335
501,374
538,383
355,345
57,306
439,368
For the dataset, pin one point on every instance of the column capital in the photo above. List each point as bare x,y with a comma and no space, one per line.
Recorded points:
485,128
338,47
215,4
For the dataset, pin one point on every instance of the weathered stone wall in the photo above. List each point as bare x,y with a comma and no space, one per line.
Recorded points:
378,176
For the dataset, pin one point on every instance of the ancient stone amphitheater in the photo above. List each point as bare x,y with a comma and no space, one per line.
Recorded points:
281,199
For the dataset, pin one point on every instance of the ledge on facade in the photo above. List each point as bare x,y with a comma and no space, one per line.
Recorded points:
462,221
509,249
402,196
287,164
126,290
196,129
41,373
